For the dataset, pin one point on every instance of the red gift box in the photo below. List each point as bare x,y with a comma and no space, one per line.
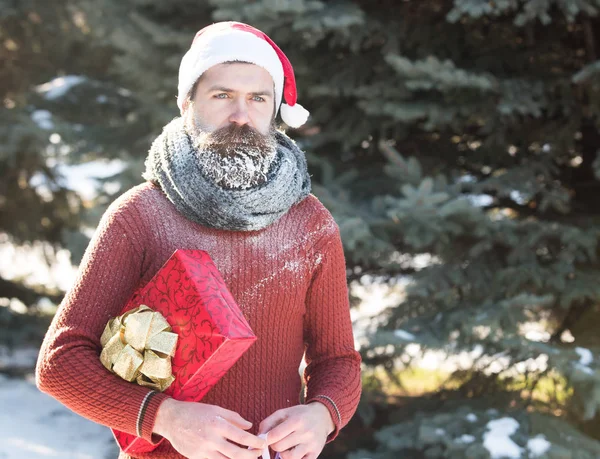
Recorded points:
212,332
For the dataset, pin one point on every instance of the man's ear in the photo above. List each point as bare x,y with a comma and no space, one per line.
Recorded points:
185,106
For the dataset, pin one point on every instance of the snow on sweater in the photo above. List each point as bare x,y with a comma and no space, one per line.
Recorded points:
289,280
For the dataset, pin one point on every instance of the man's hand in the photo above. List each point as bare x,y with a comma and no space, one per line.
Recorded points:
299,432
201,431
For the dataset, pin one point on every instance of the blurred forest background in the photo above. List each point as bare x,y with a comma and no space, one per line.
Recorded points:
456,144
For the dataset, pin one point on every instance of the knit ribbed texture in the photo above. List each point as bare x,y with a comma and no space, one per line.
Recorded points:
289,280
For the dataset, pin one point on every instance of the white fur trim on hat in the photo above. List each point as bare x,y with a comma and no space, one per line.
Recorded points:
294,116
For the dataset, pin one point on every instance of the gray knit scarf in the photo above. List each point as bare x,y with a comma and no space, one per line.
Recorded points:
172,163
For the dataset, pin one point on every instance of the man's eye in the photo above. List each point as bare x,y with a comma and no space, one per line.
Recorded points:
258,99
222,95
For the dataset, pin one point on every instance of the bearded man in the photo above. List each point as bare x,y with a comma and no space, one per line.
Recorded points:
223,179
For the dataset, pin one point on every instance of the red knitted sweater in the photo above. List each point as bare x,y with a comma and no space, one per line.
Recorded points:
289,280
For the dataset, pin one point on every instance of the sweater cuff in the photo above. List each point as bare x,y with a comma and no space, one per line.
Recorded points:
333,412
147,417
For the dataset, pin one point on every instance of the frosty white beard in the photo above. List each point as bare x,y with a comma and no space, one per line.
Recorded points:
242,167
235,157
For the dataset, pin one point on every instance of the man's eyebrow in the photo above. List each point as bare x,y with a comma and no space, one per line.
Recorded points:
263,92
219,88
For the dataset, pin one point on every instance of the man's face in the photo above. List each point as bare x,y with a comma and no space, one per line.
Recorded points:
234,93
229,120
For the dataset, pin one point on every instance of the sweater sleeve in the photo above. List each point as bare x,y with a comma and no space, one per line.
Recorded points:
68,366
332,373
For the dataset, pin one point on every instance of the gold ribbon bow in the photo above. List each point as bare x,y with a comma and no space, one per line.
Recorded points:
138,346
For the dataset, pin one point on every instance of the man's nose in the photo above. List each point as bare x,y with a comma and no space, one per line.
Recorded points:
239,114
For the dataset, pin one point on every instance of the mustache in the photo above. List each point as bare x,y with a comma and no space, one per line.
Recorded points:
230,139
235,133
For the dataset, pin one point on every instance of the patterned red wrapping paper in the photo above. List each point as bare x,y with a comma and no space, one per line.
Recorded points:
212,332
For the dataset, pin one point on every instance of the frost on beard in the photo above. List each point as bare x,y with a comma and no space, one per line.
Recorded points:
243,168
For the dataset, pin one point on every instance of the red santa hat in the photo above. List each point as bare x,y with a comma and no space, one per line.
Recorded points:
234,41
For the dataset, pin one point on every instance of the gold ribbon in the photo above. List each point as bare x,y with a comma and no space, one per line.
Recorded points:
138,346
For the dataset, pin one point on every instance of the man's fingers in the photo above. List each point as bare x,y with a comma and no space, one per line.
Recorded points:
280,431
212,455
291,441
299,452
293,454
234,418
276,418
237,435
232,451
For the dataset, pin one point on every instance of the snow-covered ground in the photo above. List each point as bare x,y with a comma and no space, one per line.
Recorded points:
35,426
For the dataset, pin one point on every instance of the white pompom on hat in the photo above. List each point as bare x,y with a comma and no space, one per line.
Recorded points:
234,41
